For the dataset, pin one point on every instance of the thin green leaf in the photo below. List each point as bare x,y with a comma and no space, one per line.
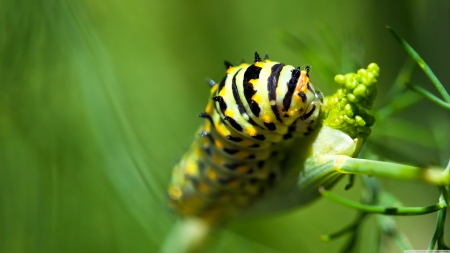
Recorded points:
402,211
429,96
422,64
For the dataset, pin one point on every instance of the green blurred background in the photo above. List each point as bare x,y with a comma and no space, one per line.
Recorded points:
98,100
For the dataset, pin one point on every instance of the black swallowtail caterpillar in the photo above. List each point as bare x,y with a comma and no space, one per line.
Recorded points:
250,115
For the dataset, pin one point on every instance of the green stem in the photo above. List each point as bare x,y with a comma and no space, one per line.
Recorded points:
435,176
429,96
402,211
350,228
422,65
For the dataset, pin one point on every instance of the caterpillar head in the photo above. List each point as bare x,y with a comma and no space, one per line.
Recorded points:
305,103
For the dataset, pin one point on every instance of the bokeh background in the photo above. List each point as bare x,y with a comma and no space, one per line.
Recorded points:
98,100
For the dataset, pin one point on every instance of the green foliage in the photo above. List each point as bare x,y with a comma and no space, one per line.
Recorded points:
98,100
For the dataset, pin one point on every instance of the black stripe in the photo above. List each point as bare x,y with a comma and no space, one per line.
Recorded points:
233,123
238,100
308,114
287,136
235,139
259,137
252,72
206,134
292,127
303,96
230,151
206,116
222,104
310,89
272,83
260,164
222,83
270,126
236,96
291,87
255,108
232,166
253,122
207,151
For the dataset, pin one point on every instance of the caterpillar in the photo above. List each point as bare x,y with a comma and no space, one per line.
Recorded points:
250,117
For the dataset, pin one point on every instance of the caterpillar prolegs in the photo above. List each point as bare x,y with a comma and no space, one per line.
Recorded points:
250,116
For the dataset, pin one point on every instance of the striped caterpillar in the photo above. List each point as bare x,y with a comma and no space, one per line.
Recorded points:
251,115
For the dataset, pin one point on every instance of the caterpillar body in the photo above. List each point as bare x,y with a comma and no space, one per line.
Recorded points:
251,114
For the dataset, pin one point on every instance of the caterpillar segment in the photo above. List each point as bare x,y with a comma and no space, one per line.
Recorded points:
236,156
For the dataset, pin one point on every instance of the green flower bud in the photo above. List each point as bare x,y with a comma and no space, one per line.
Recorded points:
346,109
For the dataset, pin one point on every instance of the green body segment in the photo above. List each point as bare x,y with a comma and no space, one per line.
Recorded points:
249,118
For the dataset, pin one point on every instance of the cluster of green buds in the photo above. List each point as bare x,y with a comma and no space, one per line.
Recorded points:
346,109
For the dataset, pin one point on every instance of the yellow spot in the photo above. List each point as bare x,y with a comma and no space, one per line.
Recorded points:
242,169
221,130
267,118
251,131
257,98
218,144
254,83
229,113
291,111
243,64
247,143
175,192
211,174
217,159
259,64
191,169
241,154
203,188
